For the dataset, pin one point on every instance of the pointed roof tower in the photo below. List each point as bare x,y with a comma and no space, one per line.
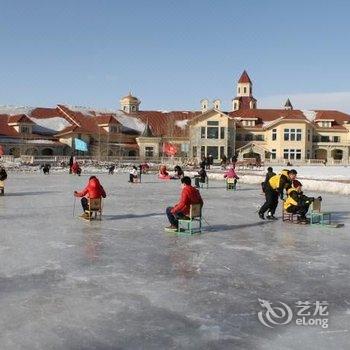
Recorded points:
147,132
244,78
288,104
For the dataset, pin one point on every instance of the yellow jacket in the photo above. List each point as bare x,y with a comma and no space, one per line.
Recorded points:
291,199
277,182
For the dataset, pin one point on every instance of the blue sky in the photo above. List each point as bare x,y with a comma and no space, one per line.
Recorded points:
173,53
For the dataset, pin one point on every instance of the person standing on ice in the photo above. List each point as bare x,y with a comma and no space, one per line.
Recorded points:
71,161
274,189
268,176
189,195
93,190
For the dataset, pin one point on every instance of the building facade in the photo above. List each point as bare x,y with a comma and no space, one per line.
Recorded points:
273,135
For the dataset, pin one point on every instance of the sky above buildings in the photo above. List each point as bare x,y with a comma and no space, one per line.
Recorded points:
171,54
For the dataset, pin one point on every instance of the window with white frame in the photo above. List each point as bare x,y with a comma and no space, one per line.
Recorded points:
291,154
185,147
248,122
149,151
292,134
325,124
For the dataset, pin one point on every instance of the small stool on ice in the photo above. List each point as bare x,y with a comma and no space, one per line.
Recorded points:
317,217
206,183
231,184
195,216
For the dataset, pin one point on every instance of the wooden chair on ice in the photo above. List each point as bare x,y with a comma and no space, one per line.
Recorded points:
194,217
95,207
231,184
292,217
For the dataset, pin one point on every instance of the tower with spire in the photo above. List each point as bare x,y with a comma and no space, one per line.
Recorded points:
288,105
244,98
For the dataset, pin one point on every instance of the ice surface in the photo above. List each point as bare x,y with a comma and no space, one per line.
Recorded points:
123,283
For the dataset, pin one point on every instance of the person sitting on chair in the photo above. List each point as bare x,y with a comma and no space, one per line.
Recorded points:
3,173
133,174
93,190
111,169
178,172
201,177
46,169
231,174
297,202
189,195
76,168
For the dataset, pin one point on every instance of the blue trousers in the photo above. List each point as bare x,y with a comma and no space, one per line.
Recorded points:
174,218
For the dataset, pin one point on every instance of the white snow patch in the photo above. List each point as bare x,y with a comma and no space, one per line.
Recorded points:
181,123
49,124
14,110
129,121
310,115
42,141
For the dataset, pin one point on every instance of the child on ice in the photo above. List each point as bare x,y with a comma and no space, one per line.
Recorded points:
231,174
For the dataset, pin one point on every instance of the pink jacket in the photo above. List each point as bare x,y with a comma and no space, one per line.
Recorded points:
231,174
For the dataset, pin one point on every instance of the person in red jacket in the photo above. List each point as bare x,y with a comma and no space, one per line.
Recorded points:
93,190
189,195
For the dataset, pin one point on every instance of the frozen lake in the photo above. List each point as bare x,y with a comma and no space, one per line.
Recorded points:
123,283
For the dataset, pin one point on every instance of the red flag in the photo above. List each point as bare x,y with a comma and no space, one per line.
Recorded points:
2,152
169,149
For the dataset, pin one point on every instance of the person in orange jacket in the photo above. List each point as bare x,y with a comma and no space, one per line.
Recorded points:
93,190
189,195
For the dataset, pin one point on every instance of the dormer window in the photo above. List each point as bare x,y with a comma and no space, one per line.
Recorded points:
248,123
114,128
325,124
24,129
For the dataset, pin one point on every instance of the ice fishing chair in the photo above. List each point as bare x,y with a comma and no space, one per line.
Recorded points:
95,207
317,217
186,226
231,184
291,217
2,188
206,183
